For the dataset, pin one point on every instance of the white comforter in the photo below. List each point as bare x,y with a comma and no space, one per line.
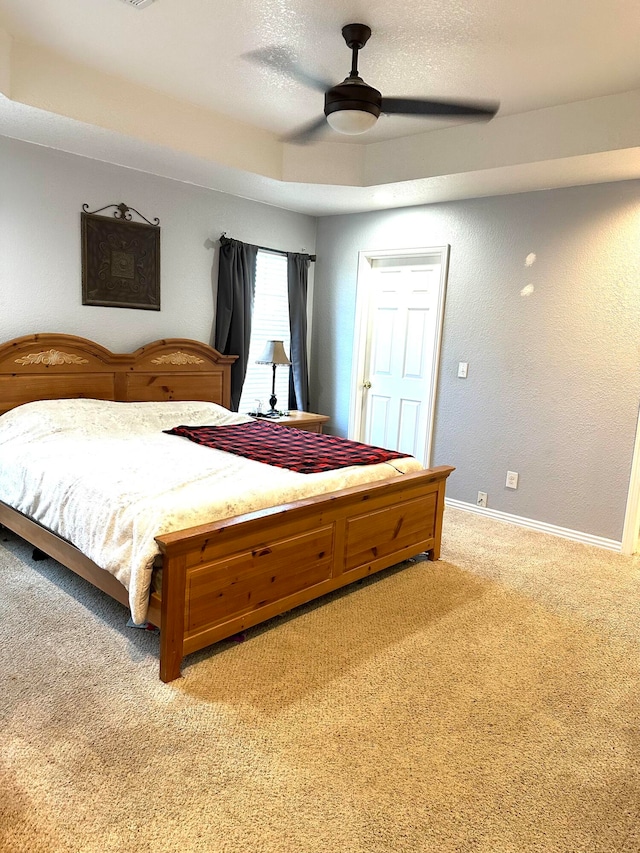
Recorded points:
105,477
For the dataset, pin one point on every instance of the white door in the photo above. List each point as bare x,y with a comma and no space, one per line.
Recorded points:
398,363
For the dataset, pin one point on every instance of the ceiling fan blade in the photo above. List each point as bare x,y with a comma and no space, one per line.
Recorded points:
307,133
282,60
422,107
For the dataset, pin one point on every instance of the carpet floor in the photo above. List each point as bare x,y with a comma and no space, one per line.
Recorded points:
486,703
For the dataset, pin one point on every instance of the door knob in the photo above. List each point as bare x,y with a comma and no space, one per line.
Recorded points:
366,384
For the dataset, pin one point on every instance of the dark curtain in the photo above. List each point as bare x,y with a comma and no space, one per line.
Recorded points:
236,288
297,274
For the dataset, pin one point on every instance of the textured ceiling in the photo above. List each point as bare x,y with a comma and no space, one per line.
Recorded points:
527,55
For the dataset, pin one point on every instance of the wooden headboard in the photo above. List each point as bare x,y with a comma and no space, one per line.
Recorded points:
49,366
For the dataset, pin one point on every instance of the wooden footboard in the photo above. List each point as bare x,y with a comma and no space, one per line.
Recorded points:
221,578
218,579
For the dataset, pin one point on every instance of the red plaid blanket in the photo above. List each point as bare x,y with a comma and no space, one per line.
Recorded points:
305,452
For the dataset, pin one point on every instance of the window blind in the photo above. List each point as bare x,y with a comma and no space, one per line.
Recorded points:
270,322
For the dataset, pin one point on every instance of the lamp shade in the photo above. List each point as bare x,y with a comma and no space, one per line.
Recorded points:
273,354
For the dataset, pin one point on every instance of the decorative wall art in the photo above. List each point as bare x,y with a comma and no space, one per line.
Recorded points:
120,259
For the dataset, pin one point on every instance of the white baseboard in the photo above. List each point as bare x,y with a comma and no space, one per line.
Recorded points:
542,526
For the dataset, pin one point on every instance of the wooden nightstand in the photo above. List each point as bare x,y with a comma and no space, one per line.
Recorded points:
302,420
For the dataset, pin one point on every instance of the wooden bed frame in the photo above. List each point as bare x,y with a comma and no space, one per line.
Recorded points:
222,577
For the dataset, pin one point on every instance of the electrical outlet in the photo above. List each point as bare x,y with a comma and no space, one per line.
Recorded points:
482,499
512,480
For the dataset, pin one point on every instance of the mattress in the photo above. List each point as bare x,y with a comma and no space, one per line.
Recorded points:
105,477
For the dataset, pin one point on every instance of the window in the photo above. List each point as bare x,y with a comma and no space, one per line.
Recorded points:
270,322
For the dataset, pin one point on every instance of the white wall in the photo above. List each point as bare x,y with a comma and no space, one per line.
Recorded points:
41,196
553,346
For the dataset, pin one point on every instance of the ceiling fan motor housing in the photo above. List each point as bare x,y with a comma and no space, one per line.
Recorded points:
353,94
356,35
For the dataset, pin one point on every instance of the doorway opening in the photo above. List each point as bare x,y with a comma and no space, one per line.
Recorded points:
631,529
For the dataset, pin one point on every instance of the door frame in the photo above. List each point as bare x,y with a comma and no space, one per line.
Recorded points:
361,333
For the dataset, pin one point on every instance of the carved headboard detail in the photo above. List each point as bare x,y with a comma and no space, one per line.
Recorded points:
49,366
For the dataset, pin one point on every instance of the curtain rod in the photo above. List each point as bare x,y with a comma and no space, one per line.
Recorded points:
266,249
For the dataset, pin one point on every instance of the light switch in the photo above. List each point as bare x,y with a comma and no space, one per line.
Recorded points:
463,366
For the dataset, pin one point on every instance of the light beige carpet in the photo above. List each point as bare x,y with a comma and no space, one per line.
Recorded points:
487,703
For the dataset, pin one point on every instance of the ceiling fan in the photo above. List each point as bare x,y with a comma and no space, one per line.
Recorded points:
353,107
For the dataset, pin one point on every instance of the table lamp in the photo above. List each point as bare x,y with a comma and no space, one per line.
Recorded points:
273,354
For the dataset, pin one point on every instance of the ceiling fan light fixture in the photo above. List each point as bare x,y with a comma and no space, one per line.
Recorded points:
351,122
353,107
